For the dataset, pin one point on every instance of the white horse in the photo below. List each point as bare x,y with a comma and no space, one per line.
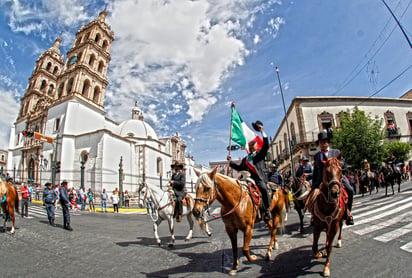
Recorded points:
164,210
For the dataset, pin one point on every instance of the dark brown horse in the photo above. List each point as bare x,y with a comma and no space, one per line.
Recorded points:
300,190
238,210
328,210
9,200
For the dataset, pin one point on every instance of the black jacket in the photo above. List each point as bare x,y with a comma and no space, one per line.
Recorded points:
318,169
179,181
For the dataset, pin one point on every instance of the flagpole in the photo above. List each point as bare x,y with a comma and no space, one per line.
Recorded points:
230,137
287,125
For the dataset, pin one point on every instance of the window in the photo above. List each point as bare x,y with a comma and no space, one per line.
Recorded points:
43,85
97,38
86,87
48,66
100,67
55,70
91,60
51,89
60,90
159,166
285,138
409,117
57,124
391,124
31,169
96,95
104,45
69,86
293,134
325,121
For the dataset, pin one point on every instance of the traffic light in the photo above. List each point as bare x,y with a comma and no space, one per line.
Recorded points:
58,167
28,133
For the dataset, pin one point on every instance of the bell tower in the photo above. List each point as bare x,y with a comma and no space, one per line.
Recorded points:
84,73
41,88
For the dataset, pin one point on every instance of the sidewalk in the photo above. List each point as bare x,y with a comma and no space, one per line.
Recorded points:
109,209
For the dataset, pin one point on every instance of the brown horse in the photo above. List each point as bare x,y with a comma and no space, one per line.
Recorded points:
300,189
328,210
9,200
238,210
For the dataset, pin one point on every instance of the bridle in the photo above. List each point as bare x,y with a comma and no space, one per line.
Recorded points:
213,196
157,208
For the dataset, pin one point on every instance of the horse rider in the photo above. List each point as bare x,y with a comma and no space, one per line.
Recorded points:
254,163
178,182
49,200
320,158
305,170
275,178
392,163
366,167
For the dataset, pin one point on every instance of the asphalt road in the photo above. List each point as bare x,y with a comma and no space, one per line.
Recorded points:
122,245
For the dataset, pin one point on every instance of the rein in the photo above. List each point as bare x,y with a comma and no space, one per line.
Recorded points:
328,218
227,213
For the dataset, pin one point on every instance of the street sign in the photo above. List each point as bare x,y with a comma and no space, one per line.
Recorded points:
43,138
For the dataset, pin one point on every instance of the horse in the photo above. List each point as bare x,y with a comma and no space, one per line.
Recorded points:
239,210
9,200
163,202
390,176
368,181
300,190
327,205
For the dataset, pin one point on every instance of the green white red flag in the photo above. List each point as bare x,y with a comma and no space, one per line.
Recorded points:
241,133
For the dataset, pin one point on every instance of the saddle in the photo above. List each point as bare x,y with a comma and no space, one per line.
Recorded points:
249,183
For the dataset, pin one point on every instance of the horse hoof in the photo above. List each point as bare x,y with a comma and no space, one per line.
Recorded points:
339,244
276,246
170,244
326,273
209,234
187,239
252,258
267,256
318,255
232,272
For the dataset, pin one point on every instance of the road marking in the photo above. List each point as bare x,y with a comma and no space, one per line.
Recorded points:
407,247
381,215
395,233
384,208
382,225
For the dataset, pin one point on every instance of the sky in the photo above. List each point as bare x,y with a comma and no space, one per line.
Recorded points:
186,61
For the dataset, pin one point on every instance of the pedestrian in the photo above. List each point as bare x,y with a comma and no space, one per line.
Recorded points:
320,159
30,190
115,202
178,182
254,163
103,197
24,200
90,196
65,203
57,191
126,199
37,192
82,198
49,200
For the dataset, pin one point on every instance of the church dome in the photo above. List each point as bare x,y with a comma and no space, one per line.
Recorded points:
137,128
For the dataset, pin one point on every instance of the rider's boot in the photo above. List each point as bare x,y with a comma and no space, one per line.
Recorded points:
349,219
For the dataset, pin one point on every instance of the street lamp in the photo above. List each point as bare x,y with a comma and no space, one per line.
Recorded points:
287,124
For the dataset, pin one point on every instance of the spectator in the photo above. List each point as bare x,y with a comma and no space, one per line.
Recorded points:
103,196
37,192
126,199
90,196
25,200
57,191
82,198
30,191
115,202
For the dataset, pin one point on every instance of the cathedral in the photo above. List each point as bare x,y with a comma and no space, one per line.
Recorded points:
63,102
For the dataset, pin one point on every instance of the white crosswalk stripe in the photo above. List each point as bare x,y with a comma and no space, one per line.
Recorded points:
40,211
385,220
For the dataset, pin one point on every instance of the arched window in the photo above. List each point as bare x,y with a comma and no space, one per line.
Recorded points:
293,134
86,87
69,86
48,66
96,94
79,40
391,124
43,85
100,67
325,121
51,89
285,138
60,90
55,70
97,38
79,55
92,59
104,45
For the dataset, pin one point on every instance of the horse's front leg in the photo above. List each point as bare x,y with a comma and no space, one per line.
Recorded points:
339,243
190,220
247,237
316,234
330,235
155,228
232,232
273,240
301,216
13,218
172,230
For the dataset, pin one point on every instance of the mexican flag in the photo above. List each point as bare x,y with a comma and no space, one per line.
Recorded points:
241,133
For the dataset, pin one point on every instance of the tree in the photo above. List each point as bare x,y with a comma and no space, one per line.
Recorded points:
399,149
360,137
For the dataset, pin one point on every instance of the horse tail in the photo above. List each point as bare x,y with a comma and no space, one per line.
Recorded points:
16,199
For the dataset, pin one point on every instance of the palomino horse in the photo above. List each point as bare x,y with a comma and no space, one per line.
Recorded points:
300,189
163,202
238,210
9,200
328,209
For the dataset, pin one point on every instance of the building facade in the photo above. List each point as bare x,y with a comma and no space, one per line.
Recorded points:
307,116
64,100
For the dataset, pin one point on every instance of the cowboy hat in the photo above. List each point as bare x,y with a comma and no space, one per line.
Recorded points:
323,136
47,184
176,163
64,182
256,125
304,158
